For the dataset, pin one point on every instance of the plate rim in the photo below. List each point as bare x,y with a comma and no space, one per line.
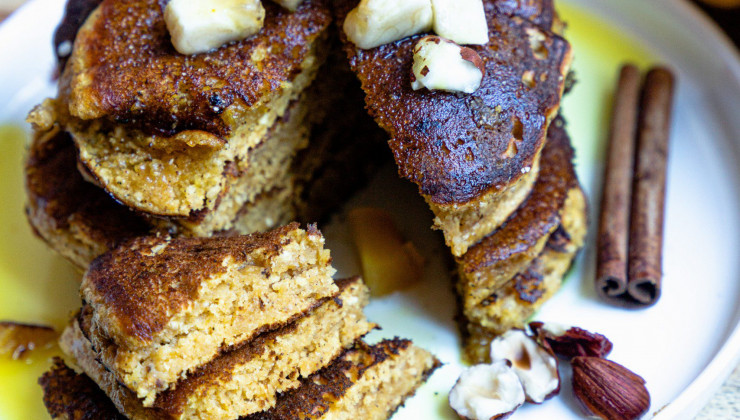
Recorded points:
704,386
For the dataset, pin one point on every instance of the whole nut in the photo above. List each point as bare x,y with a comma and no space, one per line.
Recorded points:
570,342
609,390
440,64
535,366
486,392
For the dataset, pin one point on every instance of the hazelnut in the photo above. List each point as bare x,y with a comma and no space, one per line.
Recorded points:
462,21
487,392
443,65
536,367
377,22
608,390
570,342
204,25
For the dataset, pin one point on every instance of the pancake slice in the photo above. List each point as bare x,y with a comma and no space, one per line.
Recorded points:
246,378
493,261
368,382
473,156
162,307
157,129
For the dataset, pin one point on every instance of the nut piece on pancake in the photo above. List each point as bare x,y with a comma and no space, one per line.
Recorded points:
461,21
245,378
440,64
157,129
373,23
152,299
201,26
474,157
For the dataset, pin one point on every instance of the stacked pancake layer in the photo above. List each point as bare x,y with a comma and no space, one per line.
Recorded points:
368,382
217,327
495,166
235,141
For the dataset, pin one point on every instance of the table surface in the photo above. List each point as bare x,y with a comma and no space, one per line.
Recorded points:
725,404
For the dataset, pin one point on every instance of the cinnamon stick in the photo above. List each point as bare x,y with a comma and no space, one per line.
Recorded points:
612,240
648,191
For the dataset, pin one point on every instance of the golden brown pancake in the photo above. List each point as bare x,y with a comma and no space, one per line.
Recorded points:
514,303
340,389
81,221
243,379
152,299
367,382
511,248
146,119
473,156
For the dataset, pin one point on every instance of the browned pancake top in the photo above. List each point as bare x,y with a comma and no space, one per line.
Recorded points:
454,146
58,193
540,12
137,77
72,396
539,214
142,287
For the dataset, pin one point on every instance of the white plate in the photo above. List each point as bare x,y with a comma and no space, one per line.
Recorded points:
684,346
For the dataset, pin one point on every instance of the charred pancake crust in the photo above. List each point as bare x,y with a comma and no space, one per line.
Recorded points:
72,396
75,14
454,146
160,90
58,196
539,215
143,292
540,12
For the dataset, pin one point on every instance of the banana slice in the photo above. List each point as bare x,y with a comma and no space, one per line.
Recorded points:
198,26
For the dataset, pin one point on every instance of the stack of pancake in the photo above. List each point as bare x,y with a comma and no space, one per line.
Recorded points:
495,166
225,328
143,140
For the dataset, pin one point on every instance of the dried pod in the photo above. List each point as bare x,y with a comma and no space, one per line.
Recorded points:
609,390
486,392
570,342
535,366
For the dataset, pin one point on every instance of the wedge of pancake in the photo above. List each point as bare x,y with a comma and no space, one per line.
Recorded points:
162,307
492,262
243,379
336,156
367,382
474,157
505,278
514,303
389,371
157,129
